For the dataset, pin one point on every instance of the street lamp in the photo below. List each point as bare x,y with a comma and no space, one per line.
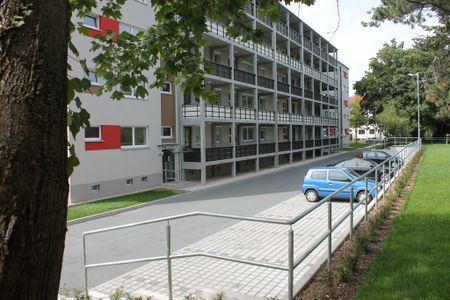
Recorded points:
418,104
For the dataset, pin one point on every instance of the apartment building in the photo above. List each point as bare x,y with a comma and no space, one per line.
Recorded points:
344,99
277,102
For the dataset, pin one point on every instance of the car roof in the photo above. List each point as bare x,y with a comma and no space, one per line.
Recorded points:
327,168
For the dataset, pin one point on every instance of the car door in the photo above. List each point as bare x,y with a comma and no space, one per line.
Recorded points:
336,180
318,180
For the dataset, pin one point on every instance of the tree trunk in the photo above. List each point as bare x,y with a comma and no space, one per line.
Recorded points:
33,151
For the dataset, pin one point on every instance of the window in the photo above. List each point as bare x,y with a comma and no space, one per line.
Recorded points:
322,175
361,131
247,101
133,137
91,22
218,134
197,135
129,181
144,179
262,133
167,88
128,28
247,134
166,132
95,188
372,131
92,134
338,176
142,1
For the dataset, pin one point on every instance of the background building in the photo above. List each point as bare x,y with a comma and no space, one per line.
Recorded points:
277,102
345,104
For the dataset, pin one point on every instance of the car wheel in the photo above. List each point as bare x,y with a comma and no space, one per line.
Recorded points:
361,195
311,196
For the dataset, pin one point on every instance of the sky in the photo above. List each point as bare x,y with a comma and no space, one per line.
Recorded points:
356,44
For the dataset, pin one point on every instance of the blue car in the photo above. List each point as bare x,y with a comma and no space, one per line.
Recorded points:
323,181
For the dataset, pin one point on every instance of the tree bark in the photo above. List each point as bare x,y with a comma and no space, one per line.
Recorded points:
33,147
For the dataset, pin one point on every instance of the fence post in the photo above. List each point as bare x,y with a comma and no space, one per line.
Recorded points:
376,188
351,211
86,290
329,235
169,260
291,264
365,198
384,180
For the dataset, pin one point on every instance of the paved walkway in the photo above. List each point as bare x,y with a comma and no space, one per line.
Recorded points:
260,242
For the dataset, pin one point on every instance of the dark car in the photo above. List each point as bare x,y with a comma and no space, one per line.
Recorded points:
360,166
377,156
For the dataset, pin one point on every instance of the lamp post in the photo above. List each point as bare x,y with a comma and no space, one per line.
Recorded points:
418,105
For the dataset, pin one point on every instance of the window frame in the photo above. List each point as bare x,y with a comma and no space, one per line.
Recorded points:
97,21
94,83
133,138
166,136
170,88
218,134
347,179
317,172
245,134
94,139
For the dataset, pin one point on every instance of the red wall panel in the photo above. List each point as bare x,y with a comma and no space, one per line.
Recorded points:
110,139
105,24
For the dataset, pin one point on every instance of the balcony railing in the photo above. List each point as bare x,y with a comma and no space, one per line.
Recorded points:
266,148
218,111
265,82
284,146
317,143
308,94
264,49
221,70
265,115
245,150
192,155
282,57
325,142
265,19
297,145
219,153
307,44
281,28
295,64
295,36
283,117
243,113
284,87
309,143
296,90
243,76
296,118
316,50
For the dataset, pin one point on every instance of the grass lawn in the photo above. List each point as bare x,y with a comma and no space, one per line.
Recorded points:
92,208
357,145
414,261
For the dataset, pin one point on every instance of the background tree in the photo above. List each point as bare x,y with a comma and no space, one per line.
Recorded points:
357,116
393,122
34,92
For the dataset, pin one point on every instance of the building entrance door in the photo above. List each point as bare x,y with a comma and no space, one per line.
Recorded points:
168,166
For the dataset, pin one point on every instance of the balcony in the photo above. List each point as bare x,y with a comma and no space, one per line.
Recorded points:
265,19
324,98
283,117
245,150
221,70
309,144
295,64
192,155
316,96
295,36
284,146
281,57
316,50
220,153
243,76
325,142
283,87
296,118
242,113
323,55
265,115
297,145
307,44
264,49
308,94
266,148
296,90
265,82
218,112
317,143
281,28
333,141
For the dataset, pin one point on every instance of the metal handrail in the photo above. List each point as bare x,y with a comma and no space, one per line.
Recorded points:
405,154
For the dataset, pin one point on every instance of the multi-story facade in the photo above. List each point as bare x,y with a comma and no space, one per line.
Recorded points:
344,100
277,102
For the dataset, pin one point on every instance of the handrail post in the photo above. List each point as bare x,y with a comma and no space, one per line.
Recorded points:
169,261
365,198
329,235
86,290
376,188
384,181
290,263
351,211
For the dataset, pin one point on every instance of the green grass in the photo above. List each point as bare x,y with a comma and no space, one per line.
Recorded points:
414,261
92,208
354,146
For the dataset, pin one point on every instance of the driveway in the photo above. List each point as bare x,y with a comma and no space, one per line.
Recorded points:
243,197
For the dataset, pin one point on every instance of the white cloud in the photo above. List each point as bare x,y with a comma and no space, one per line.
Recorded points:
356,44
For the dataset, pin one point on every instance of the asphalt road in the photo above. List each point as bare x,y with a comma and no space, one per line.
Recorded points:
244,197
